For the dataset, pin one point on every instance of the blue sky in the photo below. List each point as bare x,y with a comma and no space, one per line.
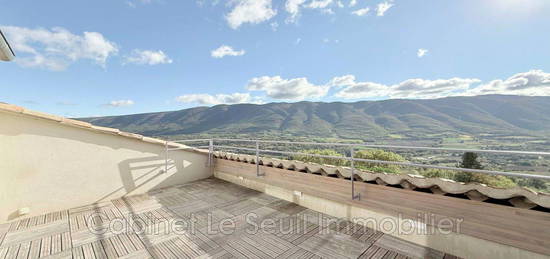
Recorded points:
108,57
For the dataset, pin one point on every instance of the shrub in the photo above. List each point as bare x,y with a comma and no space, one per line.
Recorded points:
437,173
321,160
377,154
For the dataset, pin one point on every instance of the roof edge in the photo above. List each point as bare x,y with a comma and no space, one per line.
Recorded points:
10,108
11,54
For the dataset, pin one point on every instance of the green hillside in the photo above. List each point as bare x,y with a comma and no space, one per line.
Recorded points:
494,115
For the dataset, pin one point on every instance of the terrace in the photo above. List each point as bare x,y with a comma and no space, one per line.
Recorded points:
293,231
72,189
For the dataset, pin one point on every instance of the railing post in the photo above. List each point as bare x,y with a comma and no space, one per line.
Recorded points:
258,159
210,152
166,157
353,195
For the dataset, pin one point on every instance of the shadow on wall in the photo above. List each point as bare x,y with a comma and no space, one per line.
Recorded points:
130,162
135,173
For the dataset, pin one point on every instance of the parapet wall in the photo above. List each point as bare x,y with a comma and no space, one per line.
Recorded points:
49,163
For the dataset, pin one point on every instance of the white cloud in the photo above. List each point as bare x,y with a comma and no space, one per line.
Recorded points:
383,7
328,11
207,99
340,81
287,89
274,26
363,90
357,90
352,3
293,8
315,4
340,4
421,53
58,48
533,82
225,50
148,57
422,88
120,103
249,11
412,88
361,12
133,3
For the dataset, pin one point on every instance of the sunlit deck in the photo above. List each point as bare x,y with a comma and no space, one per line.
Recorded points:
187,221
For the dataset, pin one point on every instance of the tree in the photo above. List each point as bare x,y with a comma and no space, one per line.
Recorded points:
470,160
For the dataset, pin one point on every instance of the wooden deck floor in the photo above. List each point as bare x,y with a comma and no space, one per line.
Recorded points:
187,221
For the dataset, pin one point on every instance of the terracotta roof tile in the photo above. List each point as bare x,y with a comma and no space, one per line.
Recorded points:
518,196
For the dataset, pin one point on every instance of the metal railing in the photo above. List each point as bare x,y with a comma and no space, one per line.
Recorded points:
212,147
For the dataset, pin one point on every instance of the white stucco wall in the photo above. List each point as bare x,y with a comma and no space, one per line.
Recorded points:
47,166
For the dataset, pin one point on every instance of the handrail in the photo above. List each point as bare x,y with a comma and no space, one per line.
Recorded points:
211,147
469,170
517,152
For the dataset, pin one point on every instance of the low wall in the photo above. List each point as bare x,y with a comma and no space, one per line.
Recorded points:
478,230
48,166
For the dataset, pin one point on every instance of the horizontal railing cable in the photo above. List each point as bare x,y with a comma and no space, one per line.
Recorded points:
482,171
515,152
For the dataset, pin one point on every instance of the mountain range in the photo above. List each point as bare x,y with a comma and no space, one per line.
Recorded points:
475,115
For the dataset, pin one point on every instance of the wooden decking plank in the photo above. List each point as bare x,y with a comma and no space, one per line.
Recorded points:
128,245
66,242
218,253
280,243
88,251
165,251
205,243
264,246
237,246
119,247
315,245
34,250
295,252
305,236
45,249
180,249
407,248
24,250
109,248
191,247
390,255
369,252
48,218
56,244
138,244
32,221
236,253
98,250
253,252
13,226
81,222
78,253
12,251
155,252
24,224
3,252
380,253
